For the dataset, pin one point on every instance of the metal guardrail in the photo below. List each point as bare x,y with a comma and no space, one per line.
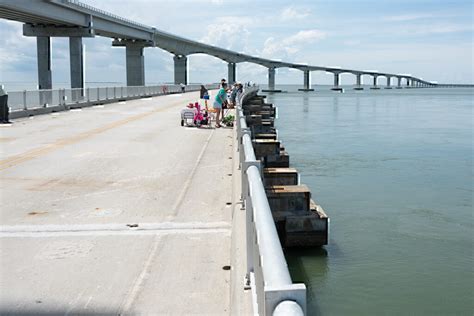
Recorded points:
107,14
36,99
267,270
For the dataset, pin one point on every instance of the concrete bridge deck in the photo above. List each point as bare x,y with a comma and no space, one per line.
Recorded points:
116,209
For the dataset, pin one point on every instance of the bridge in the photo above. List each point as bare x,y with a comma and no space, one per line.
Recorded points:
45,19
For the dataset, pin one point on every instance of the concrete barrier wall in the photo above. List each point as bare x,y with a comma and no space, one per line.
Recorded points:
35,102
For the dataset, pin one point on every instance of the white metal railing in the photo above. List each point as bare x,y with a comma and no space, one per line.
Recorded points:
107,14
267,270
33,99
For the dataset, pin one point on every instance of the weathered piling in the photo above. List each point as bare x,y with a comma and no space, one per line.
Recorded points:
299,220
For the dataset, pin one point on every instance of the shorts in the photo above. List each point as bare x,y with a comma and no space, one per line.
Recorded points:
217,105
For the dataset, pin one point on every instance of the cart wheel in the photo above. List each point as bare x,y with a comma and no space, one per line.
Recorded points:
182,122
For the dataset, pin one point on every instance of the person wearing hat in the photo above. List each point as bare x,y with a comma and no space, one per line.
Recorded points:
4,110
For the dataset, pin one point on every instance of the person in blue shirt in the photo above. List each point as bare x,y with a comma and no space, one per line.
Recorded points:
221,97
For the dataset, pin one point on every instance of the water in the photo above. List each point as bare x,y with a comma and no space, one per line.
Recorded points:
394,171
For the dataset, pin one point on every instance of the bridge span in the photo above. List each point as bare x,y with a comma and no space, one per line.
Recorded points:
45,19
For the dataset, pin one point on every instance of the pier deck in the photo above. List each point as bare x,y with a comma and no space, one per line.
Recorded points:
116,209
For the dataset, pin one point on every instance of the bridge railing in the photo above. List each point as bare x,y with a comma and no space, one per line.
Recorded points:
48,98
267,270
105,13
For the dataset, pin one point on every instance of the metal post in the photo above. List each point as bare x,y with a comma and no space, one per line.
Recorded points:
24,100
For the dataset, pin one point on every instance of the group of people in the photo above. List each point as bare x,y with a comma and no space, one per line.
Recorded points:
226,98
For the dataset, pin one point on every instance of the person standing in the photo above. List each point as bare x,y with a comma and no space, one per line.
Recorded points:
4,110
218,102
233,96
204,95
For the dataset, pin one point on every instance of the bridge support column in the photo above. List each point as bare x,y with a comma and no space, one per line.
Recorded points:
399,85
358,82
231,73
375,87
43,46
271,81
306,81
336,83
389,80
180,69
76,62
135,62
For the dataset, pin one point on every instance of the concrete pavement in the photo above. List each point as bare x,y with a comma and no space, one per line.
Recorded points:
117,209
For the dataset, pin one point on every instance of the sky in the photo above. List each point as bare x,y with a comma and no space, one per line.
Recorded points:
428,39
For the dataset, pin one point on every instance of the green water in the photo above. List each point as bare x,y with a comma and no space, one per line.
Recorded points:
394,171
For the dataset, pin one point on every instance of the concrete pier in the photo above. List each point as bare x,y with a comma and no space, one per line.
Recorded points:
375,87
135,62
117,209
388,86
43,50
306,81
271,81
399,83
180,69
76,62
358,82
43,45
231,73
134,59
336,82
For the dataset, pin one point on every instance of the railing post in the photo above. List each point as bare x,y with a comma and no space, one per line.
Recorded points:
24,100
98,93
88,95
106,93
115,93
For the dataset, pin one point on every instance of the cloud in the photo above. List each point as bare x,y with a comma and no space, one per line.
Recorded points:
291,13
16,51
229,32
290,45
441,29
408,17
